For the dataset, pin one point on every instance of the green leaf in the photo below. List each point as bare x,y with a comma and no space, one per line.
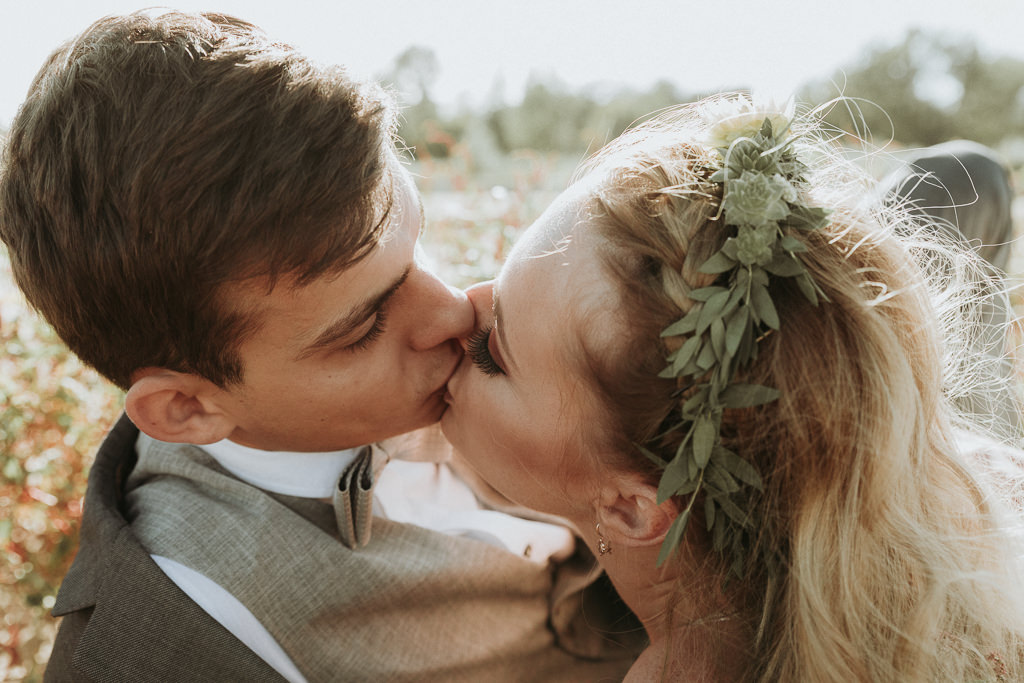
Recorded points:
672,479
705,293
792,244
683,355
703,440
735,297
747,351
660,462
690,486
718,535
734,330
722,480
742,279
731,248
726,505
738,467
706,357
747,395
685,325
674,535
709,512
806,217
717,330
758,277
784,265
719,263
763,307
718,176
806,286
712,310
695,401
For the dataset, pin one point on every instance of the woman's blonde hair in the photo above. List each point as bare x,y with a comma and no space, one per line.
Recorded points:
898,560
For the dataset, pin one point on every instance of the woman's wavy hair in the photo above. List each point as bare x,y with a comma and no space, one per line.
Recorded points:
899,557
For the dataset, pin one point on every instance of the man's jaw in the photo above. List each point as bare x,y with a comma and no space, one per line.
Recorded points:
446,391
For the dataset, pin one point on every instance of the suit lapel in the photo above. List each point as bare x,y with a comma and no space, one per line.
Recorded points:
142,627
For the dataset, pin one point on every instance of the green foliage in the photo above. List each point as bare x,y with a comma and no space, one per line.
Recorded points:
933,89
760,175
925,90
549,119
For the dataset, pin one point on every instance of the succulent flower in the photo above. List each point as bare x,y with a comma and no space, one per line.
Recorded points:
754,245
754,199
740,118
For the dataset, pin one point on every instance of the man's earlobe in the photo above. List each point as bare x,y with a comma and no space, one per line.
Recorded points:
629,512
176,407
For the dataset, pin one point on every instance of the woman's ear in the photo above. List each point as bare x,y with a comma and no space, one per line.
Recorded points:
177,407
629,512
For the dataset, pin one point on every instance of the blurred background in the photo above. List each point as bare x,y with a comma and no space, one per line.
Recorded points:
501,102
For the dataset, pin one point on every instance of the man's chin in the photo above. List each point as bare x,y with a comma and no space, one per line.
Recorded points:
431,411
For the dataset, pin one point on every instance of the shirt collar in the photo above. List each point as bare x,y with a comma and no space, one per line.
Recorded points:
304,475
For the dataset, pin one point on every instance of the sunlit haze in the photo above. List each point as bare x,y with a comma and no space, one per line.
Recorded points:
488,50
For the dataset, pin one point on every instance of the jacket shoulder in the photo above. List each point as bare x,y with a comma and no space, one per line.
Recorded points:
123,619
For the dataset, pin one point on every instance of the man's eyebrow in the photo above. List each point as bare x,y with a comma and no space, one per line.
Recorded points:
351,321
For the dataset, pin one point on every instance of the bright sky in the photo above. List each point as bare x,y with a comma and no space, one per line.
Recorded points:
700,45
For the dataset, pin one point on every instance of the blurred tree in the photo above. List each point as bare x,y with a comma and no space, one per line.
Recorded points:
413,74
933,88
548,119
628,107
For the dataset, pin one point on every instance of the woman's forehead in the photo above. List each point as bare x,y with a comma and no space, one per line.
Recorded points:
558,229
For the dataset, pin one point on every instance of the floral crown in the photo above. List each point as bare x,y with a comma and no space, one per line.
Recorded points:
762,212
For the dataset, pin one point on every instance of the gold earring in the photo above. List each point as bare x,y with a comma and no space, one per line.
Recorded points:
602,545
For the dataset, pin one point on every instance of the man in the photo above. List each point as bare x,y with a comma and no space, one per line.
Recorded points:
223,229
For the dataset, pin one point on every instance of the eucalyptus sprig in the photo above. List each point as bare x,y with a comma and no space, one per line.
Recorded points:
761,208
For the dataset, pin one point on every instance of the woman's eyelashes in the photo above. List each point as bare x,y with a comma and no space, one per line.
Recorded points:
478,349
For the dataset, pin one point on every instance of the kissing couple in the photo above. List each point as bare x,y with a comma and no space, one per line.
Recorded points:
697,429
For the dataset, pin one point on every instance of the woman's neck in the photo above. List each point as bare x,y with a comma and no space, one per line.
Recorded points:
691,625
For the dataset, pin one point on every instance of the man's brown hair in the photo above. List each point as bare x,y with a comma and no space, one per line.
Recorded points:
159,157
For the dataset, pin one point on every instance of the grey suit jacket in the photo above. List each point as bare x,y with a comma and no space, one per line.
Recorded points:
124,620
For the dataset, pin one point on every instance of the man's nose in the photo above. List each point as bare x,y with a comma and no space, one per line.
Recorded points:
446,313
481,296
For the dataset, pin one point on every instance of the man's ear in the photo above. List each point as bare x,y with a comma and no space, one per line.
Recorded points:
177,407
629,512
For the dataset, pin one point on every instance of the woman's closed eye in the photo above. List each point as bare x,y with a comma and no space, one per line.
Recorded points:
478,350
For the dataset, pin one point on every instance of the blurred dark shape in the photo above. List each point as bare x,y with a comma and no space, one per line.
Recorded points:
964,189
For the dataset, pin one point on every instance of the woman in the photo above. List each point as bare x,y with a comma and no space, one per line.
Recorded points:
729,378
